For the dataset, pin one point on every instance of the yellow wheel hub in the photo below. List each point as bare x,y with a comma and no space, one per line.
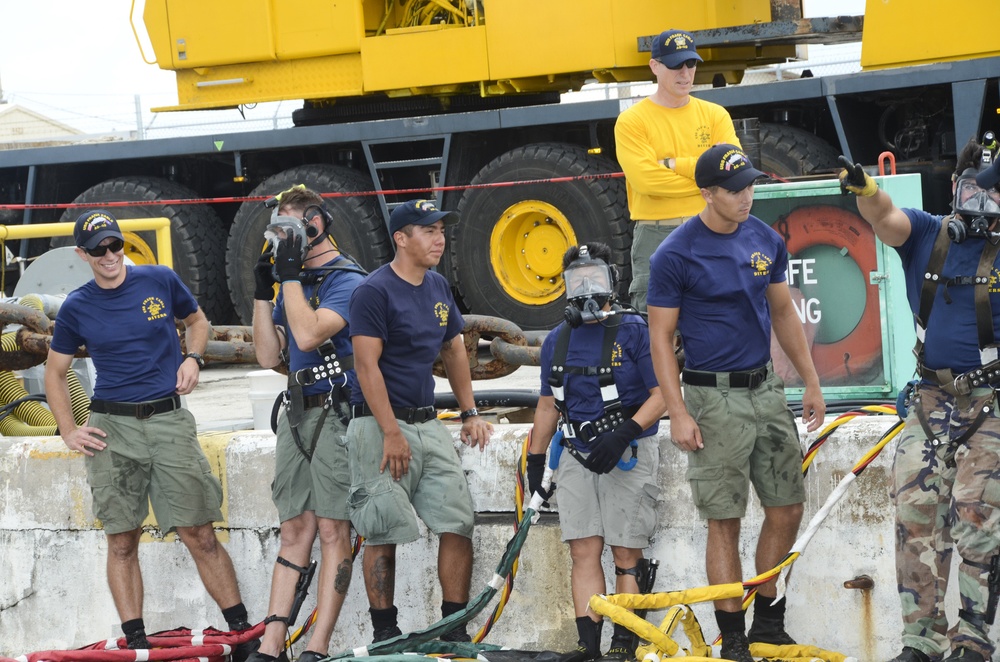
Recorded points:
137,250
526,249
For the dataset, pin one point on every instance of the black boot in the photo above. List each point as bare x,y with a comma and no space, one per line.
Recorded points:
381,634
459,634
769,623
732,625
963,654
242,652
911,655
135,634
621,646
588,647
735,647
137,641
384,624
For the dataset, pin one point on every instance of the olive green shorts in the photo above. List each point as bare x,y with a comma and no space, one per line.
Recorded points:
435,484
619,506
750,437
321,485
156,460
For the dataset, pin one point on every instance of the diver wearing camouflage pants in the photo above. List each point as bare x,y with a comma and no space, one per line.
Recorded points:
948,459
944,494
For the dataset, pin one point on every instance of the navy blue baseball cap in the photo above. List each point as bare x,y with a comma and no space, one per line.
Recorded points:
418,212
93,227
674,47
727,166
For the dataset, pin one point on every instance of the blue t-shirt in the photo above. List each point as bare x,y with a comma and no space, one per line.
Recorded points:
333,293
719,283
631,366
951,340
129,332
413,322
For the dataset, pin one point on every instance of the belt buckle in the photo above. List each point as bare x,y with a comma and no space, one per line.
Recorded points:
585,431
144,410
757,377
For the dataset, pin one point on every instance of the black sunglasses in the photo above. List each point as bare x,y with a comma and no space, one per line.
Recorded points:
690,64
100,251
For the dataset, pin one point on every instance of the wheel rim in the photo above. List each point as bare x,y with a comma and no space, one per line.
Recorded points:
526,249
137,250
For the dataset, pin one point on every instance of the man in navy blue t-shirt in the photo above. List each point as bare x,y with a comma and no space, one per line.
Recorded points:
721,279
402,316
311,476
607,495
140,445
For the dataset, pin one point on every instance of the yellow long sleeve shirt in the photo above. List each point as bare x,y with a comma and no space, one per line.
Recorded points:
646,134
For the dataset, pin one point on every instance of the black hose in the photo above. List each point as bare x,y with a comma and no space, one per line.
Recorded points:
498,398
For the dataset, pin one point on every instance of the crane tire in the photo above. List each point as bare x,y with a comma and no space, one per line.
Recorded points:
357,225
788,151
505,229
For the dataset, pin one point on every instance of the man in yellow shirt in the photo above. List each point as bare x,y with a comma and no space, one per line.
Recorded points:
659,140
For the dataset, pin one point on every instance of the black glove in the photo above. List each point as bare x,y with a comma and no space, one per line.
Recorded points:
536,469
263,278
607,448
854,179
288,258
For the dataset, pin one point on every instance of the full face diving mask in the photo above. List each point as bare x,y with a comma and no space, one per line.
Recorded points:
589,283
282,229
977,207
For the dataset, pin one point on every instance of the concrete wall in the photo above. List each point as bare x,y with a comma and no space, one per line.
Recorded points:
53,591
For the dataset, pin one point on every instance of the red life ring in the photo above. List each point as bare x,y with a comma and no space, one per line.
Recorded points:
858,352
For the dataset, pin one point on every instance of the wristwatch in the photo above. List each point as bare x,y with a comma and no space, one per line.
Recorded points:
469,413
198,358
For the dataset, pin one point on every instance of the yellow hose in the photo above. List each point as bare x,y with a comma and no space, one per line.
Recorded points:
31,418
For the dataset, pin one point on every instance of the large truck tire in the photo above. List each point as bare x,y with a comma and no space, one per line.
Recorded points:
196,233
788,151
506,253
357,225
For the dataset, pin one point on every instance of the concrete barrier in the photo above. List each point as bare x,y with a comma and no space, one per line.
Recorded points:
53,592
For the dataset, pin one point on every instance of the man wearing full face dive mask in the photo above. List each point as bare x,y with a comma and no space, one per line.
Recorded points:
948,456
308,326
599,390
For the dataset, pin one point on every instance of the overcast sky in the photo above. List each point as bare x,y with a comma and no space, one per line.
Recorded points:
77,61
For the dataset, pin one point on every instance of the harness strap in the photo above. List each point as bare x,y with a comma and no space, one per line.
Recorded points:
932,277
975,619
949,456
984,312
612,415
988,352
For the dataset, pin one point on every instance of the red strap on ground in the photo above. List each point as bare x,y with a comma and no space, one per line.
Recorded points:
180,645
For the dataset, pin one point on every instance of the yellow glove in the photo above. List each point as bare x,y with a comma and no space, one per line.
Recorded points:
855,180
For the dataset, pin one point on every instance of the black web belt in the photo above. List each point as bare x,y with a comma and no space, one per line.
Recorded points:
585,431
140,410
750,379
319,399
409,415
